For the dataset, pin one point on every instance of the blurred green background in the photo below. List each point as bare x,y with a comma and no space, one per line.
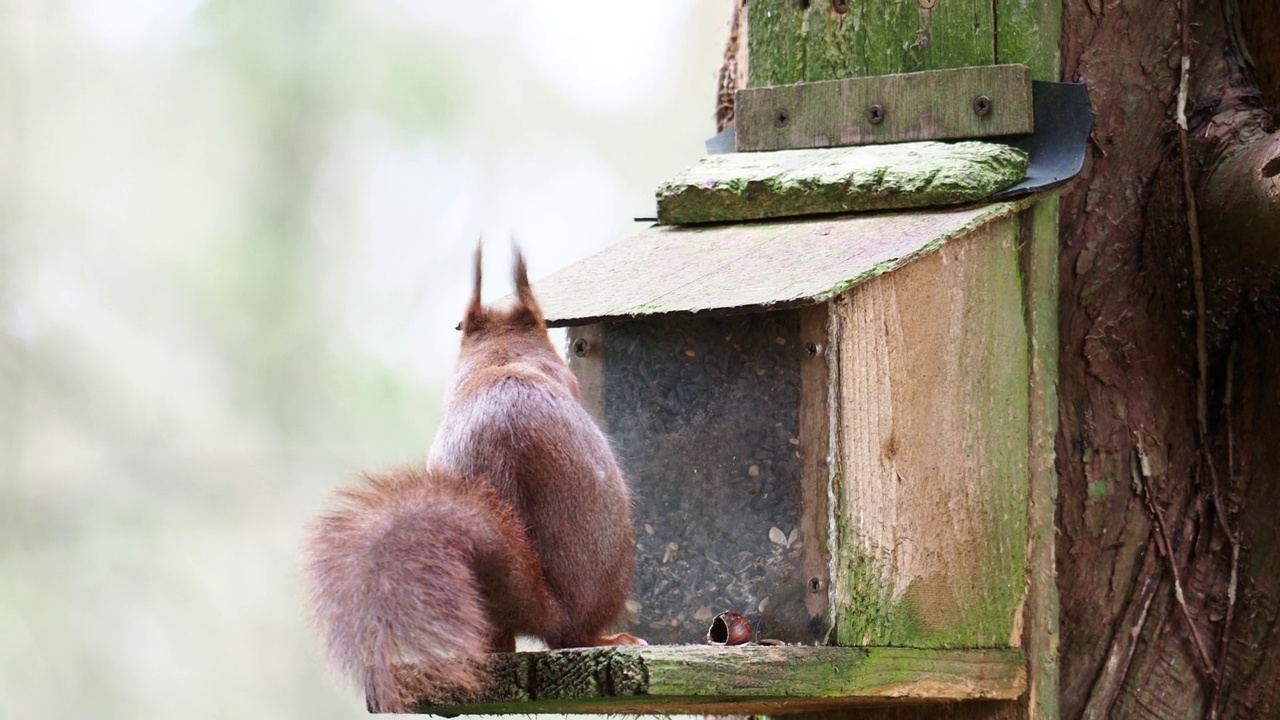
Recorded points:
234,241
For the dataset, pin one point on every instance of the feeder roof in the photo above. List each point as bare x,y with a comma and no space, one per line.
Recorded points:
746,267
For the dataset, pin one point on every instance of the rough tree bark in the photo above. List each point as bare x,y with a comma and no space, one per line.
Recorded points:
1166,369
1169,379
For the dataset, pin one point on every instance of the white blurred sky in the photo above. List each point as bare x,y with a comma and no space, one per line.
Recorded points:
576,111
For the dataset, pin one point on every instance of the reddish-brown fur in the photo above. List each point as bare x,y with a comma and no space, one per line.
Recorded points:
518,524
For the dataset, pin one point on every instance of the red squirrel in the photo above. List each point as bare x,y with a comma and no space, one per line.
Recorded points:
518,523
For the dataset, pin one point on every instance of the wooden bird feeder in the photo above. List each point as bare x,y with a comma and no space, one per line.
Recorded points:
838,425
828,426
785,393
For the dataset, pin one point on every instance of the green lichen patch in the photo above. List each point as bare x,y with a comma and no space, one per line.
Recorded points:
784,183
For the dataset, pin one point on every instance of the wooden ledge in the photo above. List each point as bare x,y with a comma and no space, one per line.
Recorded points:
734,187
737,680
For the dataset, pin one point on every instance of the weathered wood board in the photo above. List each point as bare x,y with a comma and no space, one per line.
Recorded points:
804,41
737,680
928,105
932,438
743,268
1039,258
788,183
815,459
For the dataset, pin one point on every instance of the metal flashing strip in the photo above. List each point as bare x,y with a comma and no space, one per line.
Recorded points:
1064,119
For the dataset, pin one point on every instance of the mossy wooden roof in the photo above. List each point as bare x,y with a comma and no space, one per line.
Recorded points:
746,267
791,183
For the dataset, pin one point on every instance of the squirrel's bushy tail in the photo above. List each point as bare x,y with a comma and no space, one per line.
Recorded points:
395,575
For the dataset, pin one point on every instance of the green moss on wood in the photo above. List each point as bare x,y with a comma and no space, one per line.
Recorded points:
788,44
752,186
738,680
867,612
779,28
1027,33
998,374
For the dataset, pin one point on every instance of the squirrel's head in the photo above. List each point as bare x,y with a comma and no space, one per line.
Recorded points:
510,339
519,329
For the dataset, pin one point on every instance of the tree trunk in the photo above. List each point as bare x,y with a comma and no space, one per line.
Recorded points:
1169,375
1167,573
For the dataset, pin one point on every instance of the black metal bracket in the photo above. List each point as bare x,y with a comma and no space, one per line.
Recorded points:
1057,147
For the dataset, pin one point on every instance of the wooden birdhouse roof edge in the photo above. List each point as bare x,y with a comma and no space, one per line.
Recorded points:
750,267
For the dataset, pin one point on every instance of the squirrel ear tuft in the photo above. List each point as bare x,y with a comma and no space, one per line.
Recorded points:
474,316
526,303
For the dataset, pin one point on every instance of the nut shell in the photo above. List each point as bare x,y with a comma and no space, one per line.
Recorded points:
729,628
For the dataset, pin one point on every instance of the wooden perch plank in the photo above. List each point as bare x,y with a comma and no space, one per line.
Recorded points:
738,680
787,183
929,105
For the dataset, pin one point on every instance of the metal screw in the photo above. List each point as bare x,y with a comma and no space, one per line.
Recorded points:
580,347
982,105
840,6
812,349
815,584
782,118
927,4
876,114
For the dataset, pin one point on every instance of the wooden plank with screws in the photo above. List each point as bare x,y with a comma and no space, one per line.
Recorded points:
968,102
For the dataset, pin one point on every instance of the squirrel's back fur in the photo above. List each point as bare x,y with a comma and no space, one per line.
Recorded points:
518,524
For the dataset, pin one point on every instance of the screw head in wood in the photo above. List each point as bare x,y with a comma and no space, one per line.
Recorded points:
840,6
875,114
815,584
982,105
781,118
581,347
927,4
